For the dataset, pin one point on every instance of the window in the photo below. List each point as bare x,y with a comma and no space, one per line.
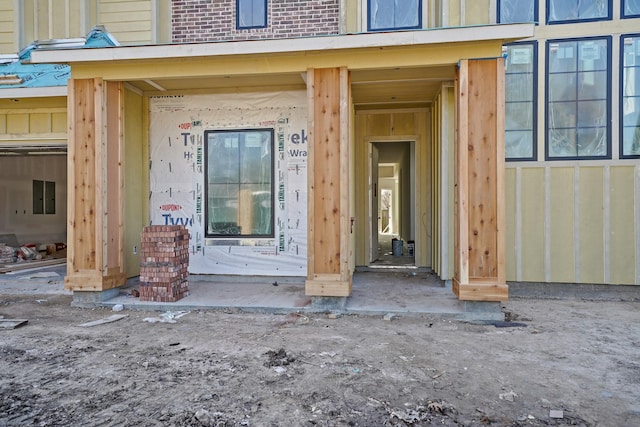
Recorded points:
559,11
578,98
630,97
239,177
251,14
512,11
520,105
394,14
44,197
630,8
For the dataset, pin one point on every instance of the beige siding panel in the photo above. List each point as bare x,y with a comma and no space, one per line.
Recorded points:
591,225
378,124
3,123
510,194
561,218
18,123
59,21
135,175
39,122
59,122
122,28
622,199
477,12
124,6
362,193
404,124
532,238
6,27
454,14
141,18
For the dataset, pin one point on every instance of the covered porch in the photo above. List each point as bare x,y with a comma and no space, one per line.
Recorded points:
342,76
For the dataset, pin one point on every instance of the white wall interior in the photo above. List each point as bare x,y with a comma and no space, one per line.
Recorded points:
16,198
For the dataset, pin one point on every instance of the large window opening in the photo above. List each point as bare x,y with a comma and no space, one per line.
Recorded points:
578,94
520,101
239,183
630,97
394,14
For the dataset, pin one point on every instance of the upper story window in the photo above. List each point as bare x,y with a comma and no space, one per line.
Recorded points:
394,14
520,101
561,11
251,14
630,8
630,97
512,11
239,183
578,98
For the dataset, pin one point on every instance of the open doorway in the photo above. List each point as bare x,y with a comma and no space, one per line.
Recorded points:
392,204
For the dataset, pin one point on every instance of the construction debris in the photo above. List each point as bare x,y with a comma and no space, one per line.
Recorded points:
12,323
109,319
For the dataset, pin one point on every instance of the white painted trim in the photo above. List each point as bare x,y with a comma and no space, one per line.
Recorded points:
18,12
505,33
547,225
518,231
132,88
155,21
463,12
33,92
615,97
576,224
493,11
607,223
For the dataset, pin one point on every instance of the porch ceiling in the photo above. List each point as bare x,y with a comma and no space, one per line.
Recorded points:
373,88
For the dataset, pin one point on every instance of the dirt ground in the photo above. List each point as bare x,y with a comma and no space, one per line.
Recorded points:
577,360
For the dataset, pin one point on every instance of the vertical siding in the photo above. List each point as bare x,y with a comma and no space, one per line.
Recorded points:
561,216
533,267
511,224
591,224
623,228
477,12
129,21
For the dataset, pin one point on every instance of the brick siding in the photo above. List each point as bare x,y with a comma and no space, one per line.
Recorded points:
215,20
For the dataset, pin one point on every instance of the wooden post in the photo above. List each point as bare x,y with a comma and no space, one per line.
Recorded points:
480,271
95,233
328,183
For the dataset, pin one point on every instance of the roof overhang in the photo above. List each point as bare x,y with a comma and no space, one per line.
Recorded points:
32,92
504,32
403,69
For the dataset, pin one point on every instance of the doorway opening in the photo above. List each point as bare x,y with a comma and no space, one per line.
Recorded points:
392,204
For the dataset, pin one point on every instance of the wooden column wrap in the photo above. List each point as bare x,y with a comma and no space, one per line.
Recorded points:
328,177
96,198
480,195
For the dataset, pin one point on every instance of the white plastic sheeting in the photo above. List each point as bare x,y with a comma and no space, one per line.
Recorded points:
177,175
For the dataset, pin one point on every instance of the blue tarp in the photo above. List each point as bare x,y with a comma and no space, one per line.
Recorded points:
48,75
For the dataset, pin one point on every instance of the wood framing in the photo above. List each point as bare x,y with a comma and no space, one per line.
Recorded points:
95,200
328,185
480,271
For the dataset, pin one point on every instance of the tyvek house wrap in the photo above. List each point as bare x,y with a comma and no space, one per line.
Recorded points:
177,177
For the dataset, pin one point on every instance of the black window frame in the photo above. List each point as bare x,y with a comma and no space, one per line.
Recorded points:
250,27
623,14
534,100
206,185
44,197
568,21
621,96
418,26
536,11
608,103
